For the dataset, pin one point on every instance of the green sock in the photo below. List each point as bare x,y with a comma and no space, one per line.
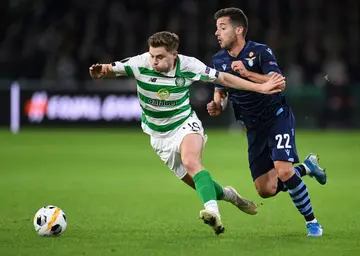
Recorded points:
205,187
219,191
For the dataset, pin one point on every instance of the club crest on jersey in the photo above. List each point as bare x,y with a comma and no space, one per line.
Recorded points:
180,81
163,94
251,54
250,60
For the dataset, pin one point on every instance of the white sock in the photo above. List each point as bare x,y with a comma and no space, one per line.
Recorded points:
212,206
312,221
306,168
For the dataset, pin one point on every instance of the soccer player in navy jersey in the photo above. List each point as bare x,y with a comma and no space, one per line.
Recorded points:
269,121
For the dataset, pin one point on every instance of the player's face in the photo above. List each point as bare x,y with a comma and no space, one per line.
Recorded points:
225,33
162,60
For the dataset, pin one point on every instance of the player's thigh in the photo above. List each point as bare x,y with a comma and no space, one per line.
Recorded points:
192,126
281,139
166,149
191,147
260,162
169,149
191,140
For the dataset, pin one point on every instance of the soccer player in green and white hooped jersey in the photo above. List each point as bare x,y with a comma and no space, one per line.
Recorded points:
163,78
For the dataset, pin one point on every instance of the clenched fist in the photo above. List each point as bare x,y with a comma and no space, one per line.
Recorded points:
213,109
97,71
238,66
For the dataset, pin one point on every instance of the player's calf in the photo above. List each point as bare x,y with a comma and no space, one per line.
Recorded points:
299,195
190,150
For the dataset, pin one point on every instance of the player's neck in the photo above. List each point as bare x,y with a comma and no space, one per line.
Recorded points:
237,48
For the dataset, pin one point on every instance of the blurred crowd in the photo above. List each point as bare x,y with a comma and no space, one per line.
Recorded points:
60,39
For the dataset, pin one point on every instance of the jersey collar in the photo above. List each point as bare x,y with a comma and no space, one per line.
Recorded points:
242,50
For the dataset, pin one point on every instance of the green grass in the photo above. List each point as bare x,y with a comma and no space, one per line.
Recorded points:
121,200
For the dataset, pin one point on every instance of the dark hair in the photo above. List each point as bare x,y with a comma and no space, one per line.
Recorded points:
164,38
236,15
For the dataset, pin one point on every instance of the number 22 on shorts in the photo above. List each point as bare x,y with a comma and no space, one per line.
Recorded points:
283,140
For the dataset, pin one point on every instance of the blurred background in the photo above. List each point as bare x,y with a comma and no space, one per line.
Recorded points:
47,46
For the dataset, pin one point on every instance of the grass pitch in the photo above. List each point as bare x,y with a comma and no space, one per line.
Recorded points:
120,199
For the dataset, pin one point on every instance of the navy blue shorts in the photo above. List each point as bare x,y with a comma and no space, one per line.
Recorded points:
275,142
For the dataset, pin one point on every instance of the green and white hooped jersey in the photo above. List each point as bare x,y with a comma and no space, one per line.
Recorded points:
164,97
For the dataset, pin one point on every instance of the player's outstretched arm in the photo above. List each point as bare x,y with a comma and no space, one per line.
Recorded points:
238,66
275,84
98,71
255,77
258,78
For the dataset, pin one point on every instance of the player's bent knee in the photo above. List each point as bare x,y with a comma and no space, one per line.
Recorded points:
266,192
192,165
285,173
284,170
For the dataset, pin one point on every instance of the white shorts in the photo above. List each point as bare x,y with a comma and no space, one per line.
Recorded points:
169,148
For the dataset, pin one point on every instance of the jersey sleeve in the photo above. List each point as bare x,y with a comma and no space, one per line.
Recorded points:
127,67
201,72
268,62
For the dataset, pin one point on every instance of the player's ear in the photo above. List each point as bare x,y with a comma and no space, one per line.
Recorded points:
175,53
239,30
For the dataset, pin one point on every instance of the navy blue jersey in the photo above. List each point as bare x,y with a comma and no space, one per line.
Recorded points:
251,108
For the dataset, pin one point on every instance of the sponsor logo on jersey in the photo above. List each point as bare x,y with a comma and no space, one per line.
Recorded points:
162,103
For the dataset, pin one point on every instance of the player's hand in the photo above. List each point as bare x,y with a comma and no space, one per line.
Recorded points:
275,84
97,71
213,109
238,66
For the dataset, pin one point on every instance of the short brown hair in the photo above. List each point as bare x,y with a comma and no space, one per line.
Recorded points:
164,38
236,15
